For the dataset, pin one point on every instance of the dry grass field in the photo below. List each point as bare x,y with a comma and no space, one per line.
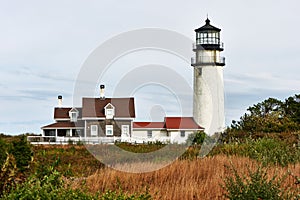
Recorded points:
183,179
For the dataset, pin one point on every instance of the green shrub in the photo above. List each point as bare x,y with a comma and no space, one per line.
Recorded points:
112,195
265,150
49,187
8,173
70,142
273,151
196,138
3,151
52,187
254,185
22,152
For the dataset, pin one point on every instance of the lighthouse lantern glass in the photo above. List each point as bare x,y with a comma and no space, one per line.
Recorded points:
208,37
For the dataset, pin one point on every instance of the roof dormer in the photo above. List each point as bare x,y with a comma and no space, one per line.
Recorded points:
109,111
73,114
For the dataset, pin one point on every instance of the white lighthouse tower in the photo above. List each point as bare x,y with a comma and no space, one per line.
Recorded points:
208,104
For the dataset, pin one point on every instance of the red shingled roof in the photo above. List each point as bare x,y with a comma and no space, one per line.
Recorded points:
94,107
181,123
65,124
146,125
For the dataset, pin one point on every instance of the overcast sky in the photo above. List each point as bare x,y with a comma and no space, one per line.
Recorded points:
43,45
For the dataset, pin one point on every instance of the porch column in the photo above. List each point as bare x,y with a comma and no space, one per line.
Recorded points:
85,129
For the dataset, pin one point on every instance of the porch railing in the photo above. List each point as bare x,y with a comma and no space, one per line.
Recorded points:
93,140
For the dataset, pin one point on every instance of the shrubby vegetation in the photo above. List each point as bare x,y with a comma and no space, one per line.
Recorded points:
52,186
255,185
271,115
15,159
22,177
265,150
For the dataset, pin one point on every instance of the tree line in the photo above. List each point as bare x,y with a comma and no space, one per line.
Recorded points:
271,116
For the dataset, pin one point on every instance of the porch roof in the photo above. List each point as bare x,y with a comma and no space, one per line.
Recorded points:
65,124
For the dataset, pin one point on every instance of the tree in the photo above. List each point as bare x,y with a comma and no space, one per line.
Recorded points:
22,152
196,138
271,115
3,151
292,108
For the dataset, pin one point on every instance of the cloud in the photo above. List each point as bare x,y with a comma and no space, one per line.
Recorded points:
245,83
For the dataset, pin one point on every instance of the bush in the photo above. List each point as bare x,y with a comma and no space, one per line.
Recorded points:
112,195
52,186
48,183
22,152
265,150
8,172
196,138
254,186
273,151
3,151
49,187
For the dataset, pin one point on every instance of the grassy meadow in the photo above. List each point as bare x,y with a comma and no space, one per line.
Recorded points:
263,166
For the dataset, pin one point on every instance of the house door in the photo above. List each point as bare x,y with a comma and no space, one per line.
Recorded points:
125,131
94,130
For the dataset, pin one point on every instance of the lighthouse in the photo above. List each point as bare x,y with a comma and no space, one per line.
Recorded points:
208,97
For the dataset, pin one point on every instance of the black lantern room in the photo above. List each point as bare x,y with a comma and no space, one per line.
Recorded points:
208,37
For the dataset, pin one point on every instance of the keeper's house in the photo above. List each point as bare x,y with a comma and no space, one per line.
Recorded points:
106,120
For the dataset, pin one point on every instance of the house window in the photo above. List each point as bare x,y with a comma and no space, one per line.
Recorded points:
94,130
125,130
49,132
149,134
73,116
182,133
109,130
109,111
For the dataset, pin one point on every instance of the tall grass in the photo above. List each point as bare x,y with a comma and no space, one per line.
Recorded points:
184,179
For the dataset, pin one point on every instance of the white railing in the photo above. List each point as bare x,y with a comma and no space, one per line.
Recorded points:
199,46
41,139
68,140
94,140
137,139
